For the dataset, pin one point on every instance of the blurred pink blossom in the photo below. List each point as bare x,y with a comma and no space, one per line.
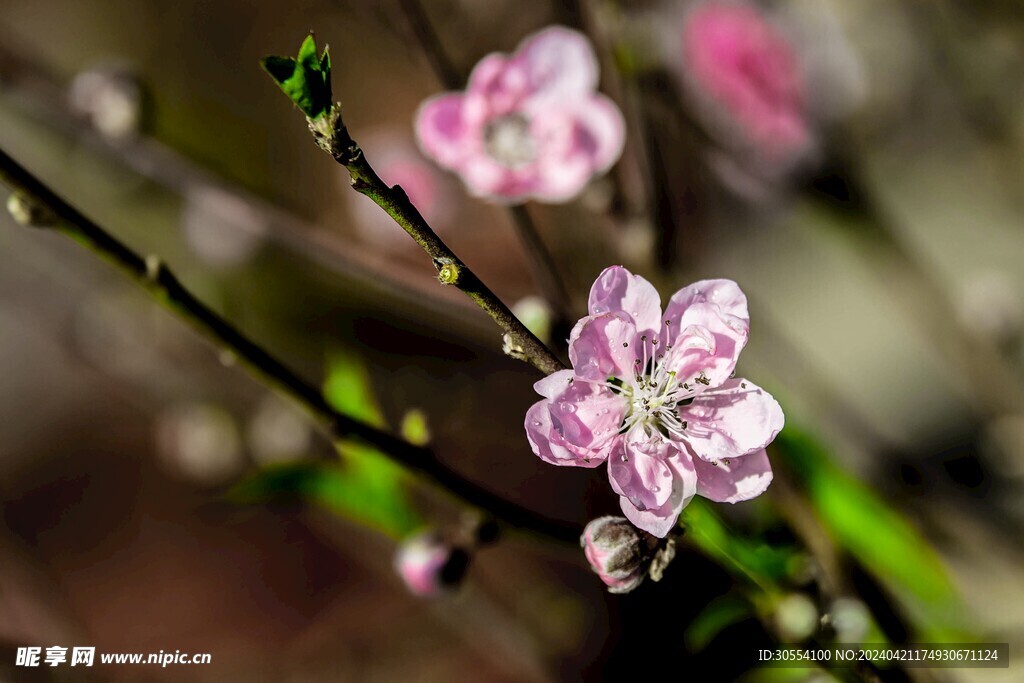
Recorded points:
653,394
529,125
747,79
428,565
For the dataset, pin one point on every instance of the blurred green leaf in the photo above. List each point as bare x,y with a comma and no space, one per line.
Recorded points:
716,616
759,562
370,473
349,391
366,486
306,79
351,490
864,524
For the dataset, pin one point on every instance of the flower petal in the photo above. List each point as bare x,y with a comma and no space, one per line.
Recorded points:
659,521
587,416
548,443
731,421
559,63
734,480
554,384
617,289
601,132
640,472
574,143
704,354
725,294
603,346
441,130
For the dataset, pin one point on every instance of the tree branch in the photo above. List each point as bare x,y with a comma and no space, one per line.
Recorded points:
519,342
36,204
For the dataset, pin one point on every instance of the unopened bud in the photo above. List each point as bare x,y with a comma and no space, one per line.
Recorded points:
429,566
622,555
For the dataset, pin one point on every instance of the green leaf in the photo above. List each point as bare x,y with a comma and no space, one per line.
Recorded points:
306,80
716,616
366,486
349,391
862,523
355,489
756,561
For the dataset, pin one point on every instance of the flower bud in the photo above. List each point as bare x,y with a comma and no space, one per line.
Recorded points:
618,552
429,566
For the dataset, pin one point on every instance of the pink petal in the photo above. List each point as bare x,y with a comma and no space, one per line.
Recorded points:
485,177
731,421
554,384
574,143
659,521
442,133
548,444
734,480
704,354
616,289
603,346
559,63
640,471
587,416
725,294
601,134
499,83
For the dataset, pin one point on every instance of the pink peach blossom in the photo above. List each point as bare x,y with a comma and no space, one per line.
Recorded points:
428,565
529,125
746,78
653,394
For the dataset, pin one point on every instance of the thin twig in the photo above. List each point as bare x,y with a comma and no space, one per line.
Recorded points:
519,341
152,274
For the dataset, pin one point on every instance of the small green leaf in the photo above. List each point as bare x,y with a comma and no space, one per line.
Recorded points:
716,616
762,564
358,489
306,80
348,389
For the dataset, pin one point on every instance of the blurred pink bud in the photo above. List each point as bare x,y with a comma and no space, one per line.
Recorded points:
429,566
529,125
747,79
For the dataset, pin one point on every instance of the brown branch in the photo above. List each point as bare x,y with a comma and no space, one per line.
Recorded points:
36,204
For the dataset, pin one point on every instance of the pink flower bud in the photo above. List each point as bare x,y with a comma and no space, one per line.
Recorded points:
617,552
429,566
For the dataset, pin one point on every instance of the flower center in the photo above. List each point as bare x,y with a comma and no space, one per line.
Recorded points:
655,394
507,140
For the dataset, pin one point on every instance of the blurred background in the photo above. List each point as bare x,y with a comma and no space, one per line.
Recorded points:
143,507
